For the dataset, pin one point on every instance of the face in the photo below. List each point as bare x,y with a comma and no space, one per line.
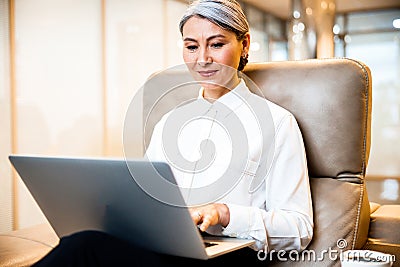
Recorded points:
212,55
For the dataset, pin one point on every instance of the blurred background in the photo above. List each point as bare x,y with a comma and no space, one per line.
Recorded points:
69,69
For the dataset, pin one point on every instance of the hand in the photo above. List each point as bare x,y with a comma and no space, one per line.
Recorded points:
211,214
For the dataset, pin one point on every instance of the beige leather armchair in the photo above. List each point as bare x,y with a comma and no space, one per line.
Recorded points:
331,99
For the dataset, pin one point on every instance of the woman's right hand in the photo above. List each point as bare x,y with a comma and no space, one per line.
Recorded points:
212,214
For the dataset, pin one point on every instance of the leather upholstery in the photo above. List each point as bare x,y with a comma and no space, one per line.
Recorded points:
26,246
331,100
373,206
384,225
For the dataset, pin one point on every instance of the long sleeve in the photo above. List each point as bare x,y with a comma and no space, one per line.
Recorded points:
286,220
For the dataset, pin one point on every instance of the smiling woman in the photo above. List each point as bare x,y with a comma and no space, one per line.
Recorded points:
244,189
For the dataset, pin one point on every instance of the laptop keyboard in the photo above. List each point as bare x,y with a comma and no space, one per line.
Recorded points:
209,244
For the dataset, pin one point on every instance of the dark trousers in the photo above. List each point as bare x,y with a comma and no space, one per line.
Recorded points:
94,248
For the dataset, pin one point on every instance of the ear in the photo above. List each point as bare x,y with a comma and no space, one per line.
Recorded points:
246,44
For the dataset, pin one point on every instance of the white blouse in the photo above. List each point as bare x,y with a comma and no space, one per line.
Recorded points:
264,181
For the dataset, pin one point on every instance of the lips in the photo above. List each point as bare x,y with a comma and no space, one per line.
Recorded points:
207,73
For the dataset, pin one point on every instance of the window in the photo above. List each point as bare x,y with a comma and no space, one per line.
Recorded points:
371,38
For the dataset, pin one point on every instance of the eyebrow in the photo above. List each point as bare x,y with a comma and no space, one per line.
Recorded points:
208,39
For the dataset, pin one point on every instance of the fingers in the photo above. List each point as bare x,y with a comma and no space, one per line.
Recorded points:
204,217
206,222
197,216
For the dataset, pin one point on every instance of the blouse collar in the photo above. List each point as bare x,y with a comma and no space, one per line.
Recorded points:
234,98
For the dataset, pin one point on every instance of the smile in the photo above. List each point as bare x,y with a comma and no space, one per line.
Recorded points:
207,73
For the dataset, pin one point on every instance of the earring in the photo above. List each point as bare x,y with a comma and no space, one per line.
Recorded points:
243,61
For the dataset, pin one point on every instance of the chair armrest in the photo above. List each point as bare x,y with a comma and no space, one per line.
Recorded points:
385,224
384,234
26,246
373,206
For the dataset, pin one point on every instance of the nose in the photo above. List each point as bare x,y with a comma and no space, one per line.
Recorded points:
204,58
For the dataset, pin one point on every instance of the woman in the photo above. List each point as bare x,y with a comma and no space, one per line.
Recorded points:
276,211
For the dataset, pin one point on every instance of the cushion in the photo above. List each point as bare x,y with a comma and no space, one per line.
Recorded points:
385,225
26,246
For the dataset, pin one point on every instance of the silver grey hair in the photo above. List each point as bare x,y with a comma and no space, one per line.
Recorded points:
227,14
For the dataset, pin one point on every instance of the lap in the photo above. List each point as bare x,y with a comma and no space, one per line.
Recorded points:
95,248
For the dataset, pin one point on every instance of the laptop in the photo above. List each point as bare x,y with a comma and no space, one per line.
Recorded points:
100,194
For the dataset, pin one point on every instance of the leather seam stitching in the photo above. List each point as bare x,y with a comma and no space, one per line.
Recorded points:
363,154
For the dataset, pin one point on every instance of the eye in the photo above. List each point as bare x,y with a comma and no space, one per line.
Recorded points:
217,45
191,48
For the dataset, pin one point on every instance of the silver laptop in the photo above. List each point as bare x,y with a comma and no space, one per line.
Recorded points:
100,194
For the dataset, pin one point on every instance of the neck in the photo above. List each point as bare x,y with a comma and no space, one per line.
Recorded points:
213,93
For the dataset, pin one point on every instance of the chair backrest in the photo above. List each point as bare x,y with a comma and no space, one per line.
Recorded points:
331,100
